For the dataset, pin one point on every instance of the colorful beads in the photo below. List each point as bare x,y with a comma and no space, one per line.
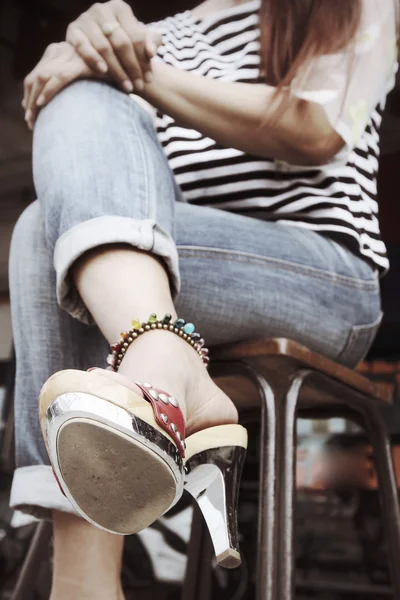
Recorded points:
136,324
185,330
189,328
179,323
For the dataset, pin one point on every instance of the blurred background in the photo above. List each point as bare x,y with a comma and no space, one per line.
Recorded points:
341,551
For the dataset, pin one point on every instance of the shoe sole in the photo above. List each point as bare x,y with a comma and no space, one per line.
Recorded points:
112,460
116,481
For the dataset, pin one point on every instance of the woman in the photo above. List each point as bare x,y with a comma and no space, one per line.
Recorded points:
282,137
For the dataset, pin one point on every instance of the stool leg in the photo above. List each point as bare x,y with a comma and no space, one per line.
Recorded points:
37,552
287,443
206,571
267,545
197,584
388,492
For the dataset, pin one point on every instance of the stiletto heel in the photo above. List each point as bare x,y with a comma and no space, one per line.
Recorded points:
213,478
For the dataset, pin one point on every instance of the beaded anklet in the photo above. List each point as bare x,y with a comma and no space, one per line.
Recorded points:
185,330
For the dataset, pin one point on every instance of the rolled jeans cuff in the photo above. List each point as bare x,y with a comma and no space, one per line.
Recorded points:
35,492
142,234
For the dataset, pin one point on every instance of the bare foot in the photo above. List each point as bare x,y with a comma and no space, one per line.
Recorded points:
169,363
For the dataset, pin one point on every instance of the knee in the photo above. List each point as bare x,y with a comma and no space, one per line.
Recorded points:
79,101
87,105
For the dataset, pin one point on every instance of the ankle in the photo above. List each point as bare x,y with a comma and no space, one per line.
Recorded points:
170,363
163,359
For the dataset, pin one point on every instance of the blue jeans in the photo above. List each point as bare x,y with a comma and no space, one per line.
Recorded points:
102,178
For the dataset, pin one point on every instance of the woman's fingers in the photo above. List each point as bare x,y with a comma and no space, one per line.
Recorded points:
90,43
32,80
56,83
149,49
35,81
110,32
153,42
55,70
137,34
85,49
128,56
106,50
52,87
88,29
31,107
144,60
28,82
40,76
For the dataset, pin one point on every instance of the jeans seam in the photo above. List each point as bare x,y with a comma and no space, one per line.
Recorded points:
135,128
247,257
356,330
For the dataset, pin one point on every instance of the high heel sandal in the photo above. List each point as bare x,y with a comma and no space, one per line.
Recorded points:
122,460
119,460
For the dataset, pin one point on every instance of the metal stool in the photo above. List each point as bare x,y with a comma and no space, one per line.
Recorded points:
285,377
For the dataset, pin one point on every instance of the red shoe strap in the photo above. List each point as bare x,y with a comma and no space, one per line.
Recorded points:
168,414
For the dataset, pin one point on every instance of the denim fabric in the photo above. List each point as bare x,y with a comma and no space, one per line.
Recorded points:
101,178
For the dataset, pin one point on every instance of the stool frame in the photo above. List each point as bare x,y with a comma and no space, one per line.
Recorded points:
292,380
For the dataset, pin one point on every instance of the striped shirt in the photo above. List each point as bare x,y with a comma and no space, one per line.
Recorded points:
338,199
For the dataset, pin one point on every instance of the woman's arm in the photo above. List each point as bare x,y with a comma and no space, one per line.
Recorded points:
234,114
240,115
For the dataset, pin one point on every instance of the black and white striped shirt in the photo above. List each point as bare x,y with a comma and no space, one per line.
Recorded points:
338,200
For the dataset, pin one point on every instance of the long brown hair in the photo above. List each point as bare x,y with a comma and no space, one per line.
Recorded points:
293,32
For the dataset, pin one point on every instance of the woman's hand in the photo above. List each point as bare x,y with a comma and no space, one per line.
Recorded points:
59,66
110,39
